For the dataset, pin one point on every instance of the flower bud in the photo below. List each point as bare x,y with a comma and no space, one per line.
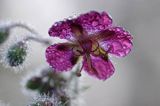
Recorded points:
47,82
17,54
34,83
65,101
43,103
44,100
4,33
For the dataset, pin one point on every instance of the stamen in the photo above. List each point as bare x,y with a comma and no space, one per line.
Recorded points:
77,51
96,47
78,73
103,54
91,65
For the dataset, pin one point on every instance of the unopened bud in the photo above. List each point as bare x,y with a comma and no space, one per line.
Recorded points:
34,83
45,101
17,54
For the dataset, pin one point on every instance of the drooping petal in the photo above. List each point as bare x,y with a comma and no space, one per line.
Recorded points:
118,42
94,21
98,67
62,30
61,57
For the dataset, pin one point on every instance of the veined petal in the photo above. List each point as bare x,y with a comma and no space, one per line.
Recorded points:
98,67
61,57
94,21
118,43
62,30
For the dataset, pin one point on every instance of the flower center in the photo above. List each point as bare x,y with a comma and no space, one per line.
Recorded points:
86,45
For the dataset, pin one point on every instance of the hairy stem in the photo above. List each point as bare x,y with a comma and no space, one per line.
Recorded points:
40,40
35,36
23,25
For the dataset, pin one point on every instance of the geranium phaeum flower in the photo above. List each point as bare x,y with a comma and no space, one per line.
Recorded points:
91,36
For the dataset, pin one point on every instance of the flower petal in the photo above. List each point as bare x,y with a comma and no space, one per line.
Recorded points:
62,30
61,57
102,69
119,43
94,21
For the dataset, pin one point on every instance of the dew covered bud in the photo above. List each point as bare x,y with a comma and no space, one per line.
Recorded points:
46,82
43,103
54,100
34,83
44,100
16,54
65,101
51,81
4,33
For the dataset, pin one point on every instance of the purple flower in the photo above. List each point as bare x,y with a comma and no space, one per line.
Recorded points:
91,36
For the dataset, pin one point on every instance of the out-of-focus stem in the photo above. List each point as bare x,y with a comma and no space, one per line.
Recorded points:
74,82
35,36
40,40
23,25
